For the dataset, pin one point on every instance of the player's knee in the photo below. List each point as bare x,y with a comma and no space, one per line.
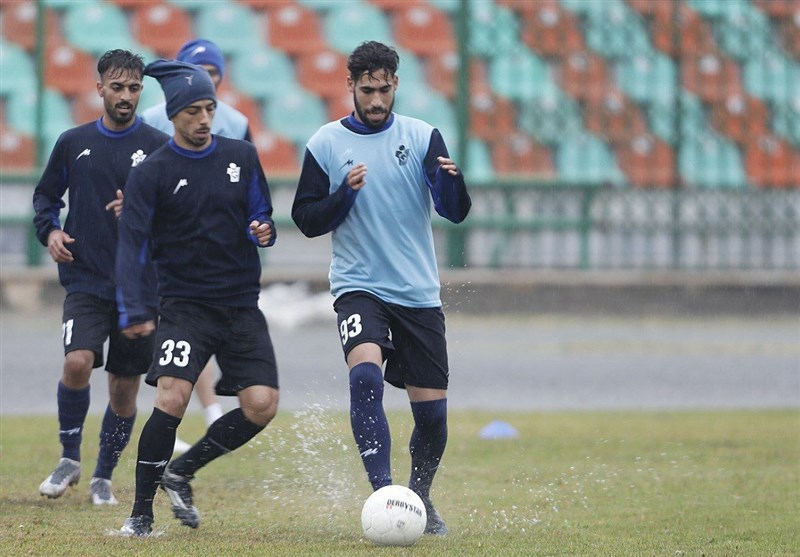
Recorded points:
77,368
259,404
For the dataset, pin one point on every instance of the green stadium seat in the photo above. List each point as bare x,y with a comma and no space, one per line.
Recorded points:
711,161
786,120
478,165
317,5
96,27
58,4
152,94
586,159
295,117
551,118
648,77
586,7
520,75
688,124
718,8
616,32
426,104
744,33
450,6
17,70
493,30
348,24
263,73
191,5
772,77
231,26
57,117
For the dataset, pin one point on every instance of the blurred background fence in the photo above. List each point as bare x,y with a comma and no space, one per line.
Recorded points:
595,134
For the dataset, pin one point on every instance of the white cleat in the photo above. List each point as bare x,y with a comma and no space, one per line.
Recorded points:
100,492
67,473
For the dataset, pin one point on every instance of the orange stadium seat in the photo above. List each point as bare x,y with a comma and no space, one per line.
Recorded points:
518,154
340,106
491,117
87,106
69,70
583,75
395,5
790,33
268,5
686,34
550,30
614,117
772,163
423,30
740,117
323,72
524,7
19,24
278,156
294,29
441,73
647,161
241,102
17,150
711,76
778,8
161,27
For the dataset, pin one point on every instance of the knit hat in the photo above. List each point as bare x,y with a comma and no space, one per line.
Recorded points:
202,51
182,83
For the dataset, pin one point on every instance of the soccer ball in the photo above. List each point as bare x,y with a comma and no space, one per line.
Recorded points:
393,515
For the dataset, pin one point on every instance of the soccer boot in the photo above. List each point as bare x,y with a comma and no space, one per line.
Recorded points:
435,525
137,526
100,492
67,473
180,496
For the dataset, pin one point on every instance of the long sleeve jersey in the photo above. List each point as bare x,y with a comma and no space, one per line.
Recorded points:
191,212
91,163
381,234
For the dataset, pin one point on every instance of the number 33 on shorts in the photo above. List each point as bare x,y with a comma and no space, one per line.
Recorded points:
176,353
350,327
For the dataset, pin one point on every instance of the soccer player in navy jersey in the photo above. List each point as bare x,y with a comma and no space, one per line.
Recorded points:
91,162
369,179
200,207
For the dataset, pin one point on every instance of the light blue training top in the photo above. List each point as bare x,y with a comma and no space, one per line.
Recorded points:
228,122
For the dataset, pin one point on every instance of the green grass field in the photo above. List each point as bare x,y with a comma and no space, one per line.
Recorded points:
572,484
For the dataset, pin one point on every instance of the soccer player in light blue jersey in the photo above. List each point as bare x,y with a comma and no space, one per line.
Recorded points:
370,179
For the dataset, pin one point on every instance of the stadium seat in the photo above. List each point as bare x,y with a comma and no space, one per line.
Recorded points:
712,77
549,30
96,27
583,75
231,26
744,32
772,163
777,8
151,94
320,6
68,70
740,117
586,7
348,24
683,120
614,117
587,160
323,72
17,150
17,70
449,6
786,121
397,5
267,5
647,161
551,118
616,31
772,77
478,164
241,102
163,28
684,33
88,106
710,161
493,30
790,34
278,156
295,29
718,8
263,73
57,117
426,104
647,77
518,155
423,30
18,24
441,72
524,8
295,117
519,75
491,117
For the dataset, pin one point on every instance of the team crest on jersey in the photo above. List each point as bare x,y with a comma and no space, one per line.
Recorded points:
234,172
137,157
402,155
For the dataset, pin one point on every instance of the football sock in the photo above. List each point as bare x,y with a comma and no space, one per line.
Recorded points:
73,405
155,449
226,434
368,420
428,441
114,436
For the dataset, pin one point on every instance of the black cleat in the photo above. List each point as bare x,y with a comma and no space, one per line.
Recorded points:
180,495
137,526
435,525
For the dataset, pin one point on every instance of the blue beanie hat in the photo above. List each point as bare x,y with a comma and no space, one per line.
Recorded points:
202,51
182,83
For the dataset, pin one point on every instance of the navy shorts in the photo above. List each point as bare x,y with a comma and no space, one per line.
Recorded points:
190,332
88,321
412,339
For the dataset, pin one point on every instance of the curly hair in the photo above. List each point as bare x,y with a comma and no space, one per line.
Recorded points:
371,57
121,61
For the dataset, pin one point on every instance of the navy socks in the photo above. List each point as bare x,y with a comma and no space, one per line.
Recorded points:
73,405
428,441
369,424
114,436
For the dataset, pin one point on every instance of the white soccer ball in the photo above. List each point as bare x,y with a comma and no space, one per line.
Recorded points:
393,515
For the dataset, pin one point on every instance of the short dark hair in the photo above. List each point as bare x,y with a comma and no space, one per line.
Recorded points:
121,61
371,57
